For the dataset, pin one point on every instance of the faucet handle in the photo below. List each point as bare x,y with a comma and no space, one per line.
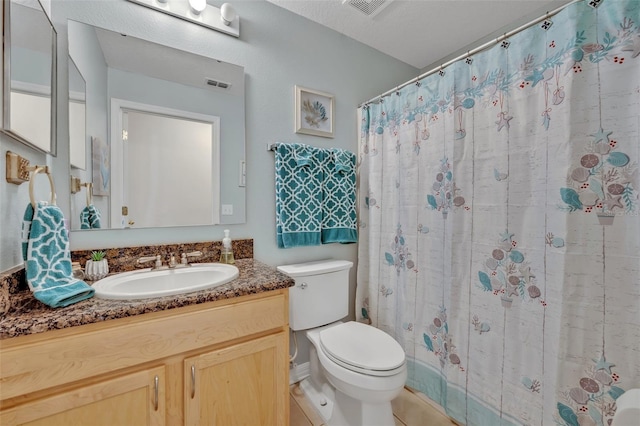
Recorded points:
183,257
145,259
193,254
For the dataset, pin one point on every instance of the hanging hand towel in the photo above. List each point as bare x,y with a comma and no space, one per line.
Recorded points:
90,217
45,249
298,195
339,220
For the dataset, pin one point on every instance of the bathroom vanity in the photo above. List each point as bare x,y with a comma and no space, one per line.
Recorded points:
221,358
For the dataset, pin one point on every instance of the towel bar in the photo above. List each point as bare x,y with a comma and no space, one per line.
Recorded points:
36,170
76,186
89,192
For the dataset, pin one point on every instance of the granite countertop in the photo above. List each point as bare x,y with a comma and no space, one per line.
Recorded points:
29,316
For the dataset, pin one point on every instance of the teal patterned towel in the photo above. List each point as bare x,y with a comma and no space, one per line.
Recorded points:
45,250
315,196
299,178
90,217
339,220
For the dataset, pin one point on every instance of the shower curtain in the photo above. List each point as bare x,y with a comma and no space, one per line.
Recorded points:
499,220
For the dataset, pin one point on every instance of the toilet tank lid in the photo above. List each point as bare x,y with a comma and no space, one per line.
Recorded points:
315,268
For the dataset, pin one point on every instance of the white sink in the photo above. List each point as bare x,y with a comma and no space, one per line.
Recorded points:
147,283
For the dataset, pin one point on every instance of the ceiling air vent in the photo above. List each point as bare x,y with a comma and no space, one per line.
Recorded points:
369,7
220,84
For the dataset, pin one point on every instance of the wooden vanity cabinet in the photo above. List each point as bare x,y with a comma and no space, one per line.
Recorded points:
131,399
222,363
237,385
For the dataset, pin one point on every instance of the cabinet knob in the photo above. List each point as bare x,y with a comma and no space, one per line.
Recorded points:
303,285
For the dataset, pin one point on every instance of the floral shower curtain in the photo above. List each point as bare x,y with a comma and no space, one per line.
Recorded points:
500,223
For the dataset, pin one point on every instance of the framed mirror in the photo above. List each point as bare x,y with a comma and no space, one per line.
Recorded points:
28,84
135,87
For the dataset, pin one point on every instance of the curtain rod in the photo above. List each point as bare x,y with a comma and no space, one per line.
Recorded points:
473,51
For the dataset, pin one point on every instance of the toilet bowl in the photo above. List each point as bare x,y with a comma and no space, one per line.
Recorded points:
355,369
365,377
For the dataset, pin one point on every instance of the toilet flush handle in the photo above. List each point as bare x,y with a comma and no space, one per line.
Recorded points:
303,286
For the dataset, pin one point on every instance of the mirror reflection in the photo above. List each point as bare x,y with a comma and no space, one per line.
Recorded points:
149,145
165,134
77,118
29,74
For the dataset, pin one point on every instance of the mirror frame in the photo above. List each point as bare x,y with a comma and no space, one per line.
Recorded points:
6,81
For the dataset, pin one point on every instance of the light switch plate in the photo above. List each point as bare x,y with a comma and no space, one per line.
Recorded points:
242,178
227,209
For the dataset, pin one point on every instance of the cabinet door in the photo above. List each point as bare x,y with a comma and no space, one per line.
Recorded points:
244,384
132,399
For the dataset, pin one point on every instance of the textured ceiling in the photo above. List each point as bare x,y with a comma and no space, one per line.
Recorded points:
422,32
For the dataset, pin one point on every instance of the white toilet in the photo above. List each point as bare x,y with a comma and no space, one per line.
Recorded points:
356,369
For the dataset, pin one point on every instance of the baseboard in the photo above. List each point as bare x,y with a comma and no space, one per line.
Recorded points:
298,372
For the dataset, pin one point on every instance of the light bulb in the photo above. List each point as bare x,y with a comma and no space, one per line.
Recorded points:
227,13
197,6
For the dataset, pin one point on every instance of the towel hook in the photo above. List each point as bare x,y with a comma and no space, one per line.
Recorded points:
36,170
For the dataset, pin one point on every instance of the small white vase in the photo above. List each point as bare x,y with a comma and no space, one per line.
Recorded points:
96,269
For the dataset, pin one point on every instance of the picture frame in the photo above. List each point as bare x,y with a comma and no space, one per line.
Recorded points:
314,111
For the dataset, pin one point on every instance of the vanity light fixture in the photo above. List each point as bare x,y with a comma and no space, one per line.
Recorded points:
223,19
227,13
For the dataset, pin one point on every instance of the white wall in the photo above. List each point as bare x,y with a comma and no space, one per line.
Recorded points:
278,50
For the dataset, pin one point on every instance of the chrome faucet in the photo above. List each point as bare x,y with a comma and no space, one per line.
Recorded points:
172,263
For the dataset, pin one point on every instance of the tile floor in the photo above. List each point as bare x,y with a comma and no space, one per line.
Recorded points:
409,409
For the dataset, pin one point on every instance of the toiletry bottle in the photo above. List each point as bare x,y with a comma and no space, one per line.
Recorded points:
226,253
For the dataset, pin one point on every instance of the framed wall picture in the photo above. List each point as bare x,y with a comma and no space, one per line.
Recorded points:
101,163
314,112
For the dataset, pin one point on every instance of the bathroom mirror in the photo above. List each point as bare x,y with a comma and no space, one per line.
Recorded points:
128,77
28,84
77,118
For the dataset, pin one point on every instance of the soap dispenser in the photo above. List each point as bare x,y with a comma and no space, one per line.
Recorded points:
226,253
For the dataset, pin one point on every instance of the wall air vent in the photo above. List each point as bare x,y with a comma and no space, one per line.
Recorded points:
219,84
369,7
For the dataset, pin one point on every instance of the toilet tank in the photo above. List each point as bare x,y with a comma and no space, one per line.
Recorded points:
321,293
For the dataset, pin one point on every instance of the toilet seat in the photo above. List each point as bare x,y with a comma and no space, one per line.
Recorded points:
362,349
